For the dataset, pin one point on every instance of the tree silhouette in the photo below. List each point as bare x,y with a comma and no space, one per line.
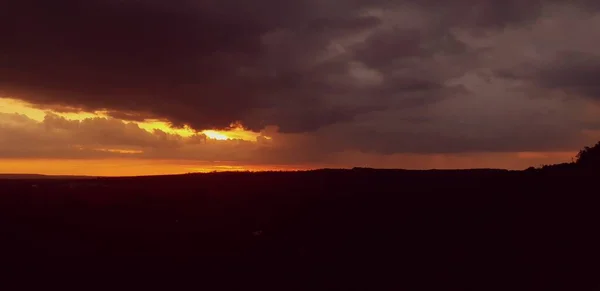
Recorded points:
589,157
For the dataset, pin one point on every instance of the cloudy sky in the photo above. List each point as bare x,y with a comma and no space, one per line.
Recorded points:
119,87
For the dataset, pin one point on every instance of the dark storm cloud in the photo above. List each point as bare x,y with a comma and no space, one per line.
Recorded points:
571,71
529,139
574,72
477,14
203,63
383,47
183,60
300,65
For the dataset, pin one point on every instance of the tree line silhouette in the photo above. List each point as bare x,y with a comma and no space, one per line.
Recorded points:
587,160
589,157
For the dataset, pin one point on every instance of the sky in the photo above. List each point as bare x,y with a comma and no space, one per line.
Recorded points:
136,87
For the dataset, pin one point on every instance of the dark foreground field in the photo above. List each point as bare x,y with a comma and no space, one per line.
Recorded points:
319,230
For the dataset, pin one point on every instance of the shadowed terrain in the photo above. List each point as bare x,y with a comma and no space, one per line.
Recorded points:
327,229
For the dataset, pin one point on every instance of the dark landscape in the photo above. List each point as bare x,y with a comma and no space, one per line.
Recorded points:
108,92
359,229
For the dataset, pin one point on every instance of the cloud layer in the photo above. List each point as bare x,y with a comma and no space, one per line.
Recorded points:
107,146
378,77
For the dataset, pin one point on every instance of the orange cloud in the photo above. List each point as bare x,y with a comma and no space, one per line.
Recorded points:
8,105
92,143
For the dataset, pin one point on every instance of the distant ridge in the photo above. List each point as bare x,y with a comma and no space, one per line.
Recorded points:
354,169
40,176
428,170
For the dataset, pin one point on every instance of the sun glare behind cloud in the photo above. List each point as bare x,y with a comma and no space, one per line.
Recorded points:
215,135
117,159
237,131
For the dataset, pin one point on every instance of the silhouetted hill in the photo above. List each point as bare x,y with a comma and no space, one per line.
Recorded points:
314,230
358,229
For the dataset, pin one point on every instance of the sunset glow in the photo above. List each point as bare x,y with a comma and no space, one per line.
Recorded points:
10,105
215,135
126,167
158,138
366,84
126,160
103,157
